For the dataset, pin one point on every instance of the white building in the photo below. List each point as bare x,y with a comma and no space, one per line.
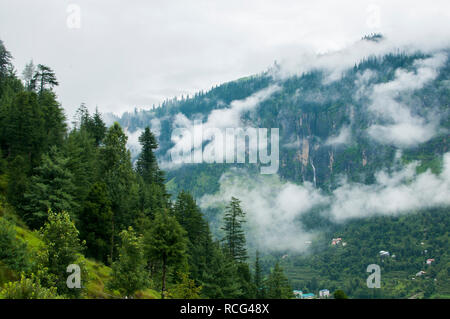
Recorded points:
324,293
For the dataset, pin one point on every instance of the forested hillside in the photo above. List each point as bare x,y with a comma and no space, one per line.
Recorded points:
363,178
357,147
73,203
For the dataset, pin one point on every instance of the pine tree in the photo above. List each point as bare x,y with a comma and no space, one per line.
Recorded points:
54,120
44,77
24,131
17,182
13,251
185,289
82,155
277,285
258,278
118,175
190,217
50,188
129,272
234,239
97,128
96,223
221,281
5,61
166,242
146,165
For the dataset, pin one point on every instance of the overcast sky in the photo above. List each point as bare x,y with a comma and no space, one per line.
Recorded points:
118,55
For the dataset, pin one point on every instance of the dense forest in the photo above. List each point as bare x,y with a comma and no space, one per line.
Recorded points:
71,199
310,110
79,194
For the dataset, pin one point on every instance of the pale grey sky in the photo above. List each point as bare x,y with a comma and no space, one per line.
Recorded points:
128,54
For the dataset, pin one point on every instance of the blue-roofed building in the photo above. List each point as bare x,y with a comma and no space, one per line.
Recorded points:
308,296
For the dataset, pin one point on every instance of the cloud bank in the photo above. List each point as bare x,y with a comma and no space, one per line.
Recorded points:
403,127
274,208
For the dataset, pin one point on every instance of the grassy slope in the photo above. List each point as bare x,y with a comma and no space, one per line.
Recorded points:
98,273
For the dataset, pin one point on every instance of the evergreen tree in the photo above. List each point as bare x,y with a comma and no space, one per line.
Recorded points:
258,278
13,251
128,272
79,148
5,61
234,239
186,289
96,223
54,119
118,175
17,182
94,125
24,131
146,165
97,127
221,281
50,188
248,288
190,217
28,74
277,285
166,242
44,77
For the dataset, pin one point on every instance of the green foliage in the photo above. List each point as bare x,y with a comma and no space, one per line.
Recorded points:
129,272
277,285
186,289
118,175
50,188
44,77
96,223
199,244
82,162
221,281
339,294
17,182
258,278
13,252
146,165
166,243
234,240
62,248
27,288
23,128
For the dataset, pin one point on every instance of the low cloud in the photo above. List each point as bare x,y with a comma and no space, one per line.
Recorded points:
402,126
344,137
274,207
218,119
